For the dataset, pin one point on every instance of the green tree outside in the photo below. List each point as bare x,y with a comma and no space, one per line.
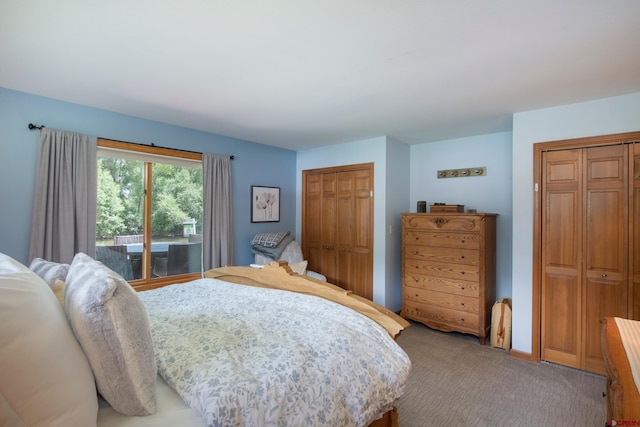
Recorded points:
176,197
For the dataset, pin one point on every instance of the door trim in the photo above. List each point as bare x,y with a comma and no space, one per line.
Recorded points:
538,149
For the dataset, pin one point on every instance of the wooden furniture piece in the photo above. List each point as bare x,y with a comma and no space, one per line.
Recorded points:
590,222
448,270
337,225
622,396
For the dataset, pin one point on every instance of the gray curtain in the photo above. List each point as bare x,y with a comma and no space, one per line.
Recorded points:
217,239
64,206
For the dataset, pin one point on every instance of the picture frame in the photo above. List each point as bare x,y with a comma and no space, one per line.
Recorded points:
265,204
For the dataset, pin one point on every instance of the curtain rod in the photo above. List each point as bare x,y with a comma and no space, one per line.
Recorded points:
33,127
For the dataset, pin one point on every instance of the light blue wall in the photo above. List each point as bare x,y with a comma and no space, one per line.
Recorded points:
374,151
490,193
599,117
254,164
397,174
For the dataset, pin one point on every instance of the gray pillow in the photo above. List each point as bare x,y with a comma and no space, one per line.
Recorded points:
112,326
49,271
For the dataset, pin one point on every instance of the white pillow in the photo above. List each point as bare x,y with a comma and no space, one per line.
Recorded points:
299,267
45,378
112,326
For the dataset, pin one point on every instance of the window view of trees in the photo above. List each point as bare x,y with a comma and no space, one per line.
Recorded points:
176,198
120,197
148,231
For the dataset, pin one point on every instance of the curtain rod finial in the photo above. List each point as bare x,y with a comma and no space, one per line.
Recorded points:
32,126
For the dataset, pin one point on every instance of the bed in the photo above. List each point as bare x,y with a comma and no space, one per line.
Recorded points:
193,356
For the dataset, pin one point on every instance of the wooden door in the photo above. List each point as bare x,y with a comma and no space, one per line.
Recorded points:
605,246
312,220
344,233
362,234
328,211
354,256
634,246
337,232
584,251
561,257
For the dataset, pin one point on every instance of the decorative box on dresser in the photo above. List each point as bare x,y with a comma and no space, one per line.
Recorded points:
449,270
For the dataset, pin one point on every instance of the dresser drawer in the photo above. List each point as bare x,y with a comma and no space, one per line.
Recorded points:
440,269
442,240
441,318
468,304
441,284
443,222
449,255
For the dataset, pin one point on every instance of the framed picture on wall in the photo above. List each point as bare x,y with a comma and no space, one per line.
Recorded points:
265,204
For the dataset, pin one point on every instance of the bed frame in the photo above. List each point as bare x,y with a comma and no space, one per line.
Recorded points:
278,275
623,399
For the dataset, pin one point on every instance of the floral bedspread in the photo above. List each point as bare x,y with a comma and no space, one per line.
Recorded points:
246,356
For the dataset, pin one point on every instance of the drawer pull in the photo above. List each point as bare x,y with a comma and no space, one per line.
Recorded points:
440,221
462,272
462,241
462,257
462,287
461,303
604,275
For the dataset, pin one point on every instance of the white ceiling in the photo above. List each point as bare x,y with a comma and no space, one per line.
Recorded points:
298,74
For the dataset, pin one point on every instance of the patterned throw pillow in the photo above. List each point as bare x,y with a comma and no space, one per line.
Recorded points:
49,271
111,324
269,240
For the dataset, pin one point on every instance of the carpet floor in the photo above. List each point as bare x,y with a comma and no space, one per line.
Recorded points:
456,382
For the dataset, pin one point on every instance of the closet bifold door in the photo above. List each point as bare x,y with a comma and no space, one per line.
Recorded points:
337,225
312,204
634,247
353,256
561,257
585,251
605,245
328,211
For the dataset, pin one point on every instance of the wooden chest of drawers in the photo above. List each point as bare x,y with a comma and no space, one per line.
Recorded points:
448,271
